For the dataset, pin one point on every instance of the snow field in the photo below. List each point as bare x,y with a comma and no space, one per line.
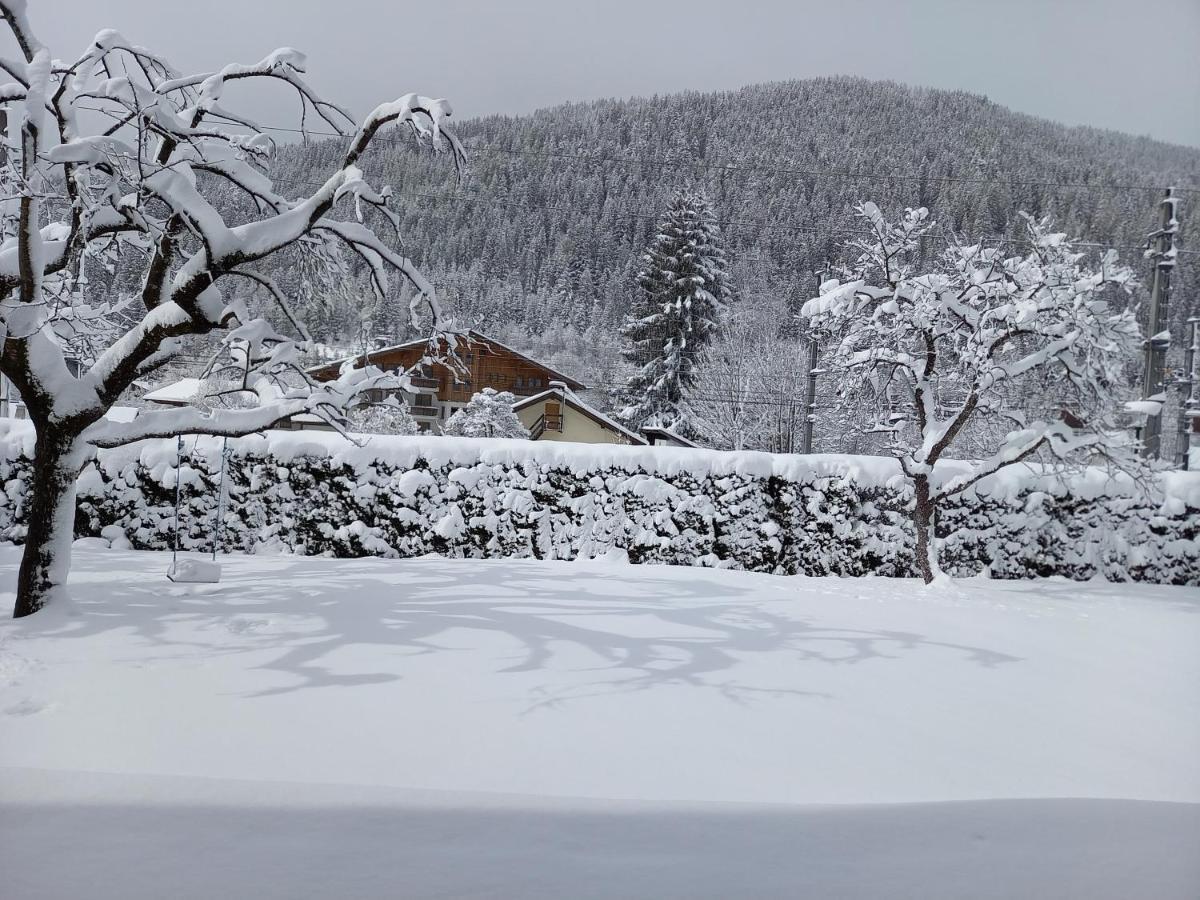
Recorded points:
433,727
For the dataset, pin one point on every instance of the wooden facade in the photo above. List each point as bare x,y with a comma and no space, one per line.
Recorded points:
487,362
439,389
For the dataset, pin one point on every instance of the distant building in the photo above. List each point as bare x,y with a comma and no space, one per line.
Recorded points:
439,391
547,403
662,437
557,414
11,404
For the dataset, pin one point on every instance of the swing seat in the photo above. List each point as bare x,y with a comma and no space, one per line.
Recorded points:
194,571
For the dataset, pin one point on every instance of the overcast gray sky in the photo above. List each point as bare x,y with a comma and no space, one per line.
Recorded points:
1117,64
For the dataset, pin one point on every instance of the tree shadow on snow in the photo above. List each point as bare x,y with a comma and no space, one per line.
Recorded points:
644,631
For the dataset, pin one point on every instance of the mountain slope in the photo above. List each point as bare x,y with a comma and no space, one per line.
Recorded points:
547,231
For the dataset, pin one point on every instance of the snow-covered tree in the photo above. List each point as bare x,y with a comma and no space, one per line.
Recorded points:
488,414
113,160
749,388
387,416
683,293
1024,340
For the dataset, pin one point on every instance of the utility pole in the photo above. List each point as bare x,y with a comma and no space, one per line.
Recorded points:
1158,338
1189,407
810,393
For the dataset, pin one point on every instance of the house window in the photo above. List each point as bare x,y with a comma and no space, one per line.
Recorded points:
423,400
518,381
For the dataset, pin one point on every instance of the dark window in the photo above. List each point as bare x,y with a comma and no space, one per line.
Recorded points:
423,400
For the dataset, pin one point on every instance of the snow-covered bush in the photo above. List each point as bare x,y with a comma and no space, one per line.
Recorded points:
313,493
489,414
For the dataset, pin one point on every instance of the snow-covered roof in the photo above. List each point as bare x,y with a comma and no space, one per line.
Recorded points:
177,393
471,334
1144,407
658,431
121,413
571,399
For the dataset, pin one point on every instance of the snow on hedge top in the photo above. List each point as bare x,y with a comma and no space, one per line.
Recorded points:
1181,490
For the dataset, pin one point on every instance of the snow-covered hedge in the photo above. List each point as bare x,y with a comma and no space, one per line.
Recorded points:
315,493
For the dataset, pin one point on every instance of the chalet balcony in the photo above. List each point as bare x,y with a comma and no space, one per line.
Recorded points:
424,412
524,390
420,381
466,391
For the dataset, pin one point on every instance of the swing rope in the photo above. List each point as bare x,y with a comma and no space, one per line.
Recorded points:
179,486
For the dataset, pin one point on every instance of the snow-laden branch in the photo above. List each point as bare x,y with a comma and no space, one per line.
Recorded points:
187,420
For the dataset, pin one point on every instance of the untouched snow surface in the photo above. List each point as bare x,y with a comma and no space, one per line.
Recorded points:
436,728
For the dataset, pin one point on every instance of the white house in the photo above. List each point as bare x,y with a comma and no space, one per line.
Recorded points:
558,414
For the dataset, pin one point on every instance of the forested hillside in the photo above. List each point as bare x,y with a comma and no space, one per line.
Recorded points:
540,244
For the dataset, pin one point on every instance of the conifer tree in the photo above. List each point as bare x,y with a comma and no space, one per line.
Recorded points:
684,290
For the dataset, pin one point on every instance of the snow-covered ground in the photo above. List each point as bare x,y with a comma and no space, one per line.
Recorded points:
435,728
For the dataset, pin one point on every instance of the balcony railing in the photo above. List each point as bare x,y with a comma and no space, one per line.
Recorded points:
424,411
545,423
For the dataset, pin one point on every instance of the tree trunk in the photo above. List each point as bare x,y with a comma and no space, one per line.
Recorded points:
923,523
51,520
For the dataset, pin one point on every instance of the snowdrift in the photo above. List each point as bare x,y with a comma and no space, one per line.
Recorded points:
318,494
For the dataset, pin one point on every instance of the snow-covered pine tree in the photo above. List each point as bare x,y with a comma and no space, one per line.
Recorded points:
684,289
488,414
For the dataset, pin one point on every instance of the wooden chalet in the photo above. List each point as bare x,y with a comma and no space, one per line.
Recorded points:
438,390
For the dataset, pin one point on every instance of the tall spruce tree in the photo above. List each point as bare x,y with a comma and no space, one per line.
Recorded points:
684,289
